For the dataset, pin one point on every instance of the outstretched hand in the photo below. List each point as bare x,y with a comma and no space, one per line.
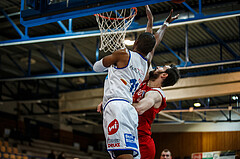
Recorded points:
170,18
149,13
150,19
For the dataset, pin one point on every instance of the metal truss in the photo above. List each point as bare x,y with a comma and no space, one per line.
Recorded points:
176,115
48,104
179,113
69,34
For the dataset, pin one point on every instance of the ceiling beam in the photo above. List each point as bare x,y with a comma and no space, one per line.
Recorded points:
138,28
56,75
196,46
171,117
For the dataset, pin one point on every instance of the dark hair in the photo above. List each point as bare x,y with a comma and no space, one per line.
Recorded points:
173,76
145,42
166,150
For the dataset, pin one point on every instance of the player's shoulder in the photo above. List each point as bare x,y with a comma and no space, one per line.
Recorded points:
160,91
121,54
121,51
155,91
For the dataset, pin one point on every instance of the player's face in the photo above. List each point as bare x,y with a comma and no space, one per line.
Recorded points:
153,75
165,155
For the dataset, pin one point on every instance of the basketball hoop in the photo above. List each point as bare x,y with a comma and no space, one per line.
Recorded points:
113,26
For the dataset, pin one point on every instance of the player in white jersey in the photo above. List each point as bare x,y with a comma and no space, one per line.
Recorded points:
126,70
113,127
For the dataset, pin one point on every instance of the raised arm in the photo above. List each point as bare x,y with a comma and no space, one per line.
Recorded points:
159,35
150,19
151,98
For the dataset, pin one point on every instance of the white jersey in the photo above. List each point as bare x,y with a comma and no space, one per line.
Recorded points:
123,82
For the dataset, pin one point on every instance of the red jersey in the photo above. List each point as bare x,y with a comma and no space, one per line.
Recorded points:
146,119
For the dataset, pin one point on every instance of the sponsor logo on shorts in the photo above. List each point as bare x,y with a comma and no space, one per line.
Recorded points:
113,127
130,140
113,140
113,143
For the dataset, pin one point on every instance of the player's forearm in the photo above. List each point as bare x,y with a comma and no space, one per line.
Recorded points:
149,27
158,36
150,19
160,33
143,105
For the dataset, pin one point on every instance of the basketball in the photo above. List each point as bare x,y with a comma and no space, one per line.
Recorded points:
177,1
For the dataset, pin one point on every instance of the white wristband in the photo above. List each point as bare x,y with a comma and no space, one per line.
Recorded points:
98,66
166,23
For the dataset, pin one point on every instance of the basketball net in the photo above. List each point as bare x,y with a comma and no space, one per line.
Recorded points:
113,26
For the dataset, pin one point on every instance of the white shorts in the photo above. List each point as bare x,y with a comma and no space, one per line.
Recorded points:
120,122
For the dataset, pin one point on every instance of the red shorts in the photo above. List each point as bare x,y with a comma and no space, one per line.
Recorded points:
147,147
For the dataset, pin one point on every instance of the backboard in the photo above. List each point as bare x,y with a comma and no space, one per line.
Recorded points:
38,12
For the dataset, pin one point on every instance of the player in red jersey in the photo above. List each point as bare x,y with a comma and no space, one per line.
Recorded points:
149,99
